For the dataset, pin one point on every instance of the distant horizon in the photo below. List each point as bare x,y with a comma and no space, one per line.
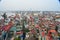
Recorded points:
29,5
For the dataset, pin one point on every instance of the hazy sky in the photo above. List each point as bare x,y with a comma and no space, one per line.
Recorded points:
30,5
